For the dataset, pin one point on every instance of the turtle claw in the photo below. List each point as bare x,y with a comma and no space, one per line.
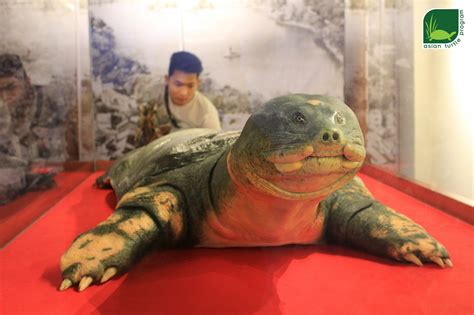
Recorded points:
66,284
85,283
448,262
413,259
109,273
438,261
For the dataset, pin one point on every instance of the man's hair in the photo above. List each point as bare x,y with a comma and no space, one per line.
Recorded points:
10,65
186,62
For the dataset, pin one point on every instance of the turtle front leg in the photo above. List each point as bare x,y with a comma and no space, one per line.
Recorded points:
144,217
358,219
108,249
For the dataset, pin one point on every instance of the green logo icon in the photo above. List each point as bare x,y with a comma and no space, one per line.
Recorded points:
440,26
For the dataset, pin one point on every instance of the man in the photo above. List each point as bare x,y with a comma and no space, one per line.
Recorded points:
185,105
181,106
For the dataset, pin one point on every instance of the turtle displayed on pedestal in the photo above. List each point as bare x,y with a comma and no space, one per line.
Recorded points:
289,177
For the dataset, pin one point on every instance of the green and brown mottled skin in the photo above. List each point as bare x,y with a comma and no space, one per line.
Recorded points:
287,178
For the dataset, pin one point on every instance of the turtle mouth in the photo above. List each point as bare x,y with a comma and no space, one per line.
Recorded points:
302,173
339,159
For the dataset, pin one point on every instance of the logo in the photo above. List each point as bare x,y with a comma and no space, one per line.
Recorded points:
443,28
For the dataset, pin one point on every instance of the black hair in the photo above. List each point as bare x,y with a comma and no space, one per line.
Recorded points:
186,62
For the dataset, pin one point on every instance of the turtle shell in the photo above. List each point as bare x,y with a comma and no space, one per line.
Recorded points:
440,35
171,152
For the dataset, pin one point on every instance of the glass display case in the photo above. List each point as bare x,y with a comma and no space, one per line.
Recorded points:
43,114
76,77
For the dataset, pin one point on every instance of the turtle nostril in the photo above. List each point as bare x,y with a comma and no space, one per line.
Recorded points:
331,136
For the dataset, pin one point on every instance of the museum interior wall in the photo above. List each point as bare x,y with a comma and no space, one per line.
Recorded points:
89,66
444,133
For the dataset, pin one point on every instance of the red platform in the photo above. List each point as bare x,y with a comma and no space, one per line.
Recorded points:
287,280
17,215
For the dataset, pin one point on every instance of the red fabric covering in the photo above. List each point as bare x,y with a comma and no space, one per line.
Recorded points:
287,280
24,210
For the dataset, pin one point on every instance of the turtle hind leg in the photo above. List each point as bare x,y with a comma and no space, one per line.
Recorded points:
103,182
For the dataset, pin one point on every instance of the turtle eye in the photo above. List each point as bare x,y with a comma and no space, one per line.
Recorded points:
339,119
299,118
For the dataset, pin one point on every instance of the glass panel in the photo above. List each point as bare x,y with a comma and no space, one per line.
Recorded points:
76,76
129,61
283,47
419,113
299,43
38,104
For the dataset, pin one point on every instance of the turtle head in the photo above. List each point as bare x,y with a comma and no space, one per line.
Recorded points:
299,147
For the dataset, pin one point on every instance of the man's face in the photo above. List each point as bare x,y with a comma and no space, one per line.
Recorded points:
12,90
182,86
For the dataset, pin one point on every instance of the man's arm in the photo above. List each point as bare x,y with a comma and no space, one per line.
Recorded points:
211,121
210,114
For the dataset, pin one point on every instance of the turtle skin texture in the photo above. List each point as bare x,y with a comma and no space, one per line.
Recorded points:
289,177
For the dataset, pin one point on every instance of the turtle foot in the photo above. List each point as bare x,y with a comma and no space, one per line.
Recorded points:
106,251
94,259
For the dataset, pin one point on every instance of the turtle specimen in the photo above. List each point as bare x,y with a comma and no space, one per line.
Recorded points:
289,177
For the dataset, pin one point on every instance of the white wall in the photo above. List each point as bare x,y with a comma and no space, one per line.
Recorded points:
444,127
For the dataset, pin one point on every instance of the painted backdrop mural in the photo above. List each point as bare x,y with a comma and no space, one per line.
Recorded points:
75,75
38,106
38,78
251,51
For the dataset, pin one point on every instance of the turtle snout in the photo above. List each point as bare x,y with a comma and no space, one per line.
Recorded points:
329,142
331,136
